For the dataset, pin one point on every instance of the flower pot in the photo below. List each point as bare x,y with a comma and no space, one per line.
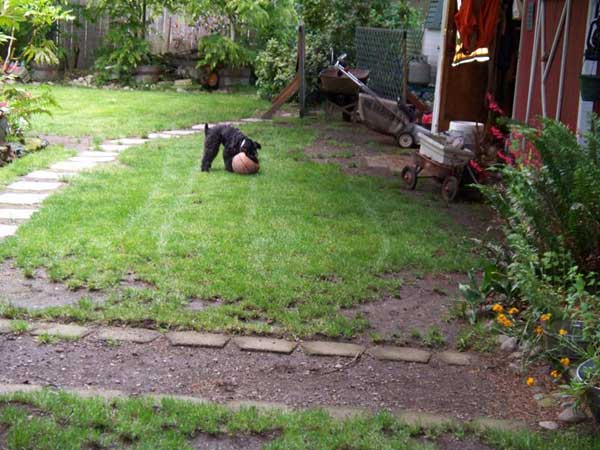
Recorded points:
593,393
590,87
44,72
148,74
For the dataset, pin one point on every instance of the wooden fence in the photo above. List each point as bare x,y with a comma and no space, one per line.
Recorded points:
81,38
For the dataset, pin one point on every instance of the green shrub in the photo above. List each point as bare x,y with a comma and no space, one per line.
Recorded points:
218,51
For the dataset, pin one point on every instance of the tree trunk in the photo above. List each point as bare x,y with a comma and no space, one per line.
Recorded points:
232,29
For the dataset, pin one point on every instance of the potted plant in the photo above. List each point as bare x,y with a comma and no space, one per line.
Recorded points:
149,70
586,385
590,87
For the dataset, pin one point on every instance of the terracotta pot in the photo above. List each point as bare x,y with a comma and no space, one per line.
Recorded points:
148,74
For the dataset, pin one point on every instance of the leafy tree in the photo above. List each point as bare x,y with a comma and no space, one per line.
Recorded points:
24,25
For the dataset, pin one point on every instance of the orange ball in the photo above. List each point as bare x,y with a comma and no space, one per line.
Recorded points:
244,165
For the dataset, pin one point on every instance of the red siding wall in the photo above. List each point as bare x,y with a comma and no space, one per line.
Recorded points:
576,48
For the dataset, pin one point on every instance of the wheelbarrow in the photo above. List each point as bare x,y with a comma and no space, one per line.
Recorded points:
340,91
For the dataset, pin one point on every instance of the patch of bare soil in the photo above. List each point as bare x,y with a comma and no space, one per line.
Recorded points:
80,144
449,442
38,291
226,442
422,305
487,388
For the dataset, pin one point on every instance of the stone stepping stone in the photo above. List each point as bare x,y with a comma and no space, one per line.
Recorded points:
10,198
16,214
425,420
132,141
254,120
60,330
47,175
323,348
5,326
94,154
37,186
106,394
455,358
73,166
400,354
257,344
14,388
7,230
199,127
93,159
236,405
180,132
135,335
160,136
192,339
487,423
114,147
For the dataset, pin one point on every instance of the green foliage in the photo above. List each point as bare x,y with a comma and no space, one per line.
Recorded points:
25,25
275,67
20,106
217,51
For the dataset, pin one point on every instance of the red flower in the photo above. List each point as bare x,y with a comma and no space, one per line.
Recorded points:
493,106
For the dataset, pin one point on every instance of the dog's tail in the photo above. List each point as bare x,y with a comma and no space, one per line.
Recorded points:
205,128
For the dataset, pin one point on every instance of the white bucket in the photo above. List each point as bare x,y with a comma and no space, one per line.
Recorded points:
467,129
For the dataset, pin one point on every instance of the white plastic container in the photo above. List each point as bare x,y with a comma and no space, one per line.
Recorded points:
436,149
467,129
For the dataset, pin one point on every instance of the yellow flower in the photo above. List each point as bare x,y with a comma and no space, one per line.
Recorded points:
566,362
512,311
530,381
563,332
555,374
504,321
546,317
497,308
539,331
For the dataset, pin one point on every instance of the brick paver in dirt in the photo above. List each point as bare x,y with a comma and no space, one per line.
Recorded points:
106,394
401,354
10,198
423,419
322,348
455,358
258,344
236,405
135,335
193,339
5,326
14,388
39,186
60,330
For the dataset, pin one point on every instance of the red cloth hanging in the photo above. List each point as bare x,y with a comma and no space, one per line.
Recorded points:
476,22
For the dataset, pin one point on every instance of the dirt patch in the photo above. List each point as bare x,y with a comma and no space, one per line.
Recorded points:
407,318
449,442
225,442
486,389
80,144
38,291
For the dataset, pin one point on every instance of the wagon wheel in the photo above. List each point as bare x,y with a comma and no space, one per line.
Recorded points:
409,175
405,140
450,188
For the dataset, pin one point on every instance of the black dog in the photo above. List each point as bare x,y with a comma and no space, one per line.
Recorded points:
234,142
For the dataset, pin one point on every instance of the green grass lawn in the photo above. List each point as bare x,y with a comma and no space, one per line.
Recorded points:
104,113
290,247
31,162
57,421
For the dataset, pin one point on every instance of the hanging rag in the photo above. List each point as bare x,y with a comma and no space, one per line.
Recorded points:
476,22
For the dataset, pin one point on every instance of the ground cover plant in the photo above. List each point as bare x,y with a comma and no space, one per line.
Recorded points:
290,247
58,421
117,113
33,161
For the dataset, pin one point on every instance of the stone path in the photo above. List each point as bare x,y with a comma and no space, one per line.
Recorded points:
243,343
23,198
413,418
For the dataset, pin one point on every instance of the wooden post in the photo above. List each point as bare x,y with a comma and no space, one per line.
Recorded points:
302,69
